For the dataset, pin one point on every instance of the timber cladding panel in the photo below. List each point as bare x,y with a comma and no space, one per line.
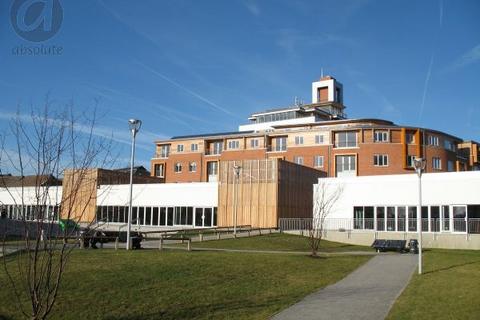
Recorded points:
295,185
264,191
79,195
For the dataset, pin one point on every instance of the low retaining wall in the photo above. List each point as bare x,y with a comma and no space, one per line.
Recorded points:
429,240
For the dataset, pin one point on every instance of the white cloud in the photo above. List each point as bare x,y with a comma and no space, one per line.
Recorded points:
469,57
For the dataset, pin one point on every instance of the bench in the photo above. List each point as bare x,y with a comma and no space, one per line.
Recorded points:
382,245
178,238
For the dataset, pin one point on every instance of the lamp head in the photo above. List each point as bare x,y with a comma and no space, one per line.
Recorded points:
134,125
419,164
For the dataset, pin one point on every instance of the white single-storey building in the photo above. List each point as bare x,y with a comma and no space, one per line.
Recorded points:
385,207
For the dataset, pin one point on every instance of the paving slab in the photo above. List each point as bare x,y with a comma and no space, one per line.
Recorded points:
367,293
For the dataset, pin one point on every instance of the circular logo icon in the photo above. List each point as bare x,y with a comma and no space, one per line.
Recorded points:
36,20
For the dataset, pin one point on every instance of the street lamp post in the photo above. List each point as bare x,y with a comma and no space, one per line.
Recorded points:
134,126
236,171
419,165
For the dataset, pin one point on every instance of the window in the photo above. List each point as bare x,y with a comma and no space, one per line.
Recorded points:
298,140
217,147
380,136
159,170
254,143
410,161
298,160
319,139
449,145
194,147
450,167
318,161
380,160
180,148
436,163
212,171
164,151
192,167
346,166
178,167
347,139
433,140
410,138
233,144
280,143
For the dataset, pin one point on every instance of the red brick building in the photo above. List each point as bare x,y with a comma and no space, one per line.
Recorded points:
317,135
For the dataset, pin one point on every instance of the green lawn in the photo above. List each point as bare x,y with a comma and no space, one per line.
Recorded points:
277,242
150,284
448,289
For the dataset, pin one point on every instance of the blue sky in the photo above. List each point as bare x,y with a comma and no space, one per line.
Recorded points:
186,67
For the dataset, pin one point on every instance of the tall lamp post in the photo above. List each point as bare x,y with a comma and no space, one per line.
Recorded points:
134,126
236,172
419,165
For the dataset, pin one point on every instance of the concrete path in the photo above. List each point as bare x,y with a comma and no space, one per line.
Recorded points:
367,293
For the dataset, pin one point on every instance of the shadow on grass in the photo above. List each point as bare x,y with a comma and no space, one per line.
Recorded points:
453,267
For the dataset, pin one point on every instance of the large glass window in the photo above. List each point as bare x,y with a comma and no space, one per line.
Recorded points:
217,147
435,218
159,170
346,139
346,166
358,218
381,218
390,219
459,215
401,218
208,217
155,216
280,143
198,217
425,219
445,218
412,218
164,151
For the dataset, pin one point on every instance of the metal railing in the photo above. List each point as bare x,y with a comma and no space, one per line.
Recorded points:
460,225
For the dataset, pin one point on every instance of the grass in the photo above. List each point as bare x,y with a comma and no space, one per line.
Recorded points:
278,242
448,289
149,284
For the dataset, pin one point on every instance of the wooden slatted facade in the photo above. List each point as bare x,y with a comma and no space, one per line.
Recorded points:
264,191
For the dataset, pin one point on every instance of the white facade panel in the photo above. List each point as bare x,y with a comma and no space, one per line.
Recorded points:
402,190
28,196
268,125
202,194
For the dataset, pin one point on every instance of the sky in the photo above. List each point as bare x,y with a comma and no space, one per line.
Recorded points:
189,67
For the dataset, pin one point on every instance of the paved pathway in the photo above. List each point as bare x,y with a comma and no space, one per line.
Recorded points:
367,293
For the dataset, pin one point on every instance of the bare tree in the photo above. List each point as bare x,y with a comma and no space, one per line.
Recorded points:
38,149
325,196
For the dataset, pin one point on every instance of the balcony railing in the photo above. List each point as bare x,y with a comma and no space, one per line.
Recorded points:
213,152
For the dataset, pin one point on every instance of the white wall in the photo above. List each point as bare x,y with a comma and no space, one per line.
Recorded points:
438,189
12,196
201,194
268,125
